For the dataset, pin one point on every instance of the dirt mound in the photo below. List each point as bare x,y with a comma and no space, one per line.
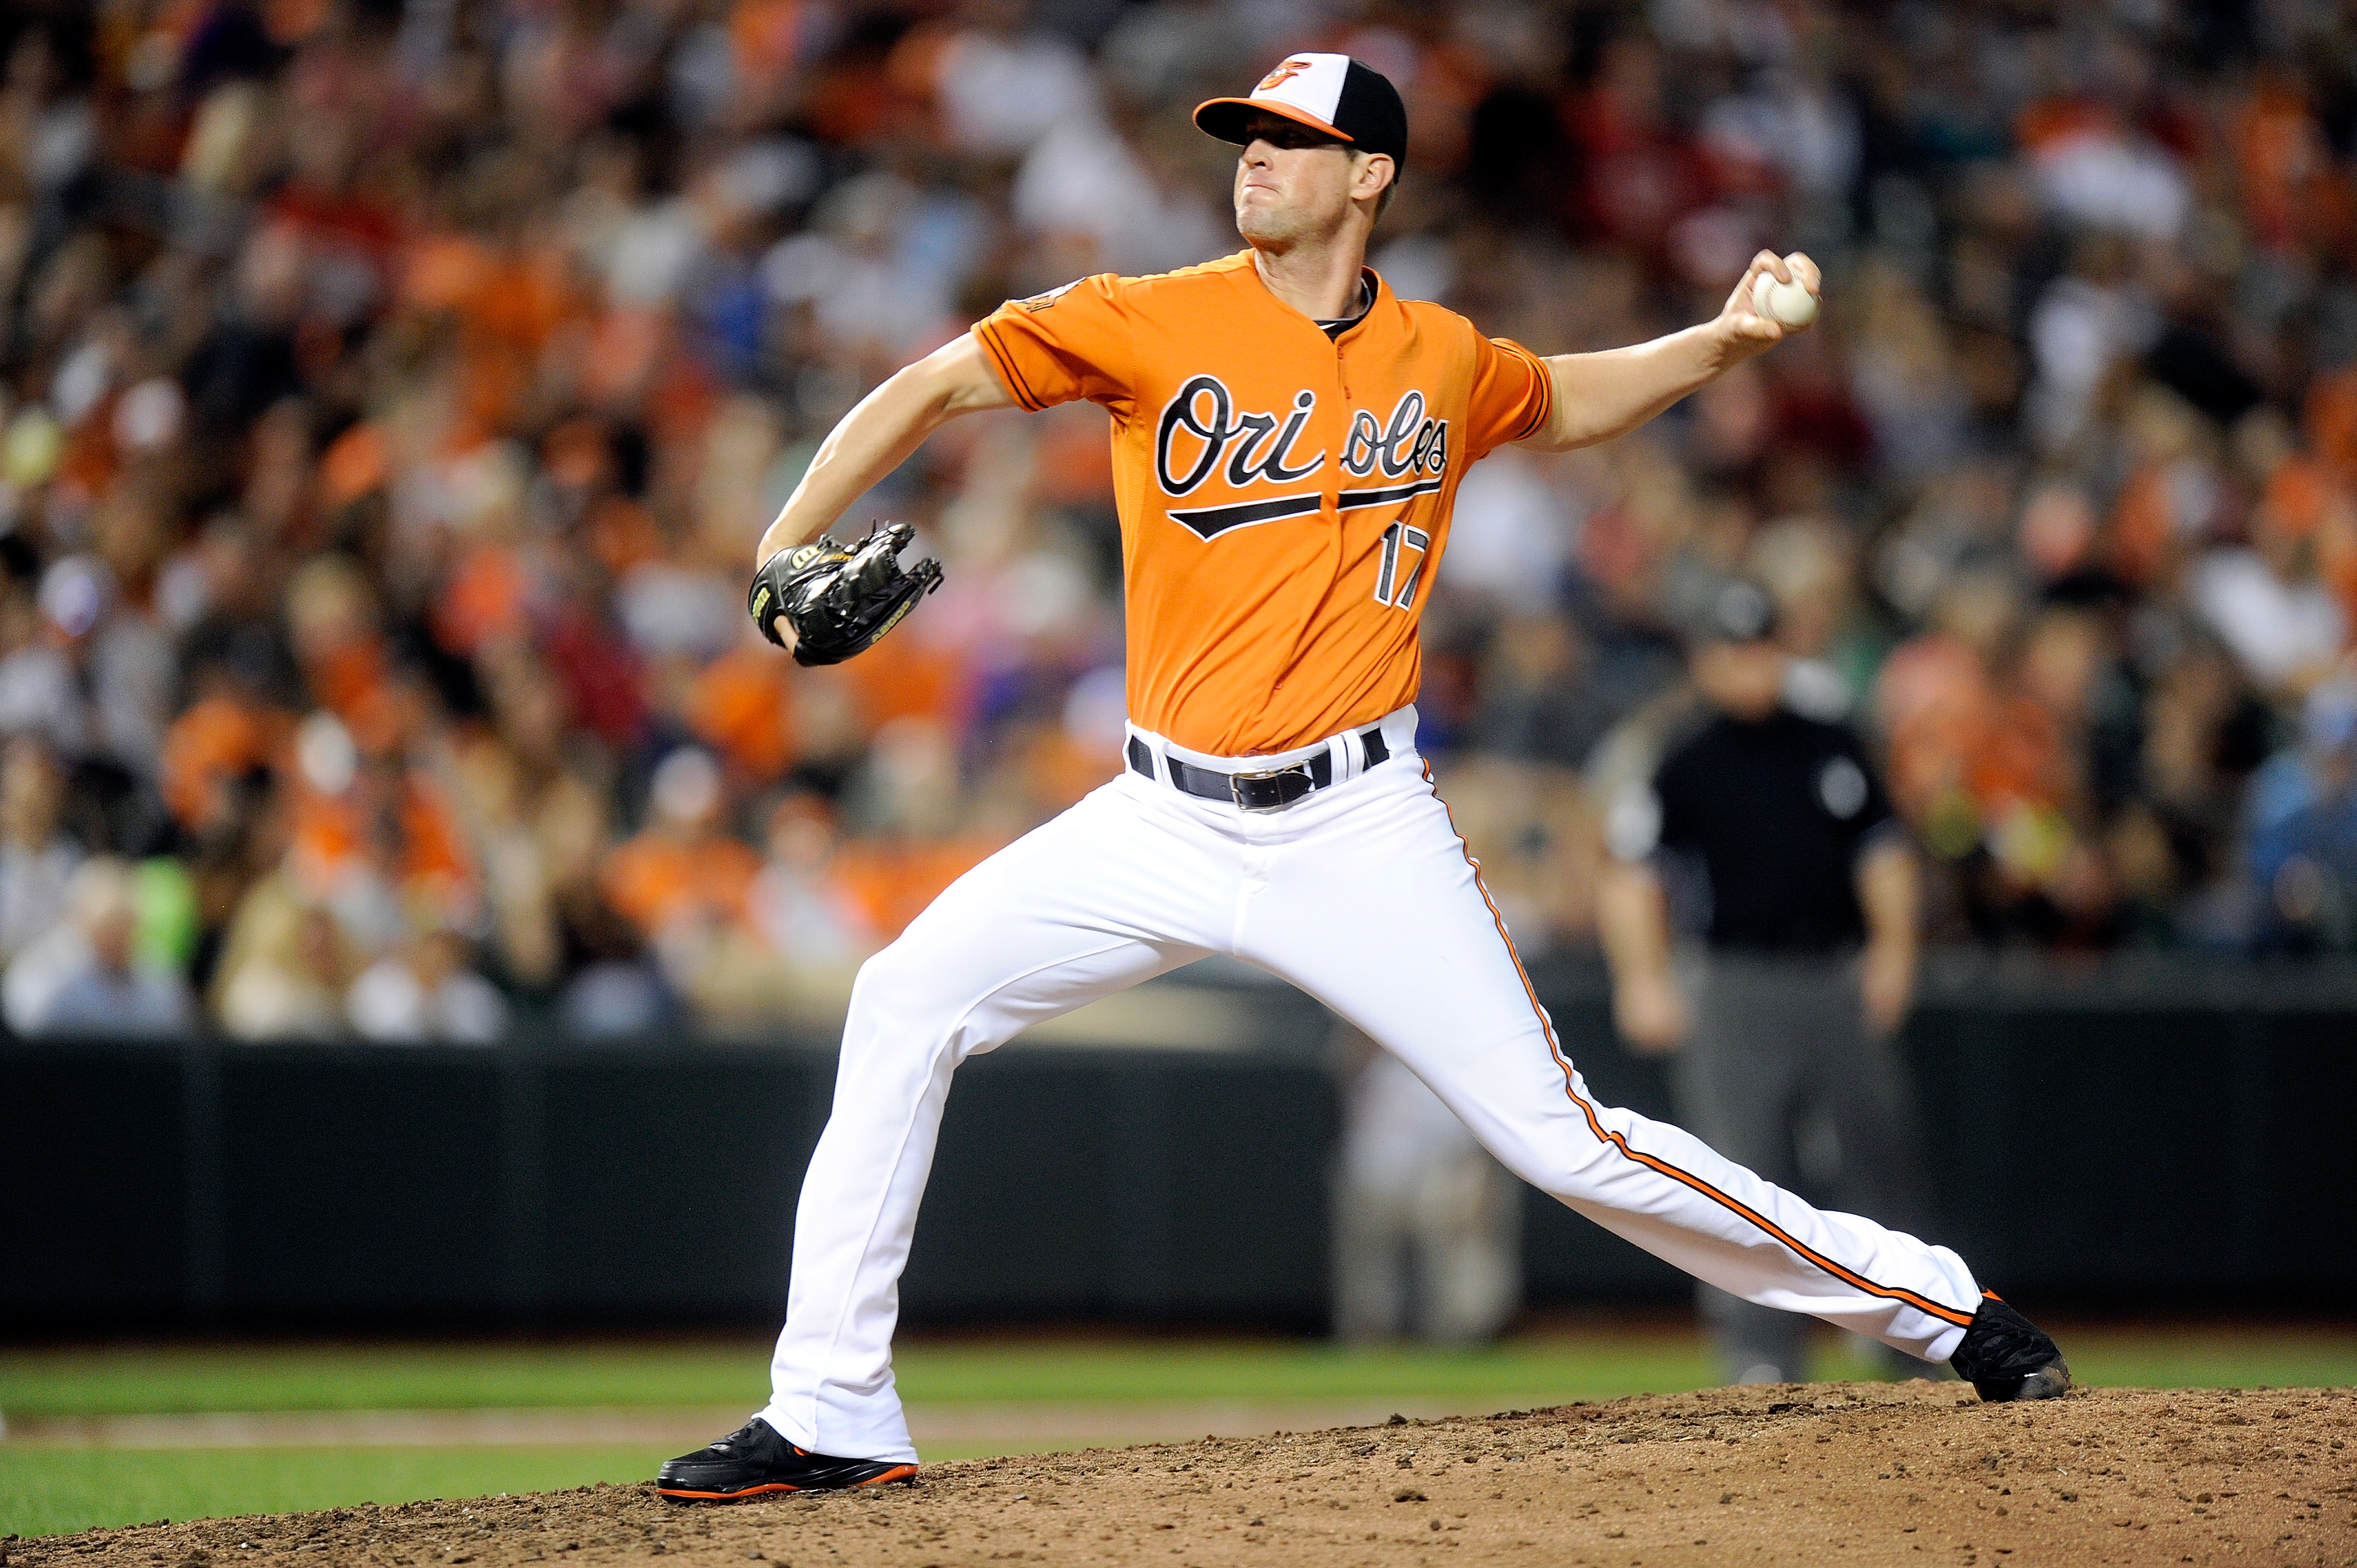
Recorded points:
1801,1473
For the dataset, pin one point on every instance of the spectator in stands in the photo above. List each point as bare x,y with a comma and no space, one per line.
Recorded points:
681,881
283,975
450,414
86,977
2303,828
617,989
39,695
36,858
805,914
279,960
424,991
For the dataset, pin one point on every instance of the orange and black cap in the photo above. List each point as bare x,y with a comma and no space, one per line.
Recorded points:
1328,92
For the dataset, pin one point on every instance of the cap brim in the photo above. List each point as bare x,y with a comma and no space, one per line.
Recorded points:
1225,118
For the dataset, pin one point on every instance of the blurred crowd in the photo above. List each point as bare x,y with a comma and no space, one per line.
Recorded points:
391,392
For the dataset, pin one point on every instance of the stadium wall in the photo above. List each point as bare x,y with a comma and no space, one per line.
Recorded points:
2170,1141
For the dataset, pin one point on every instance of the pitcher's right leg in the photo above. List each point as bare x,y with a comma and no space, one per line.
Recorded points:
1111,893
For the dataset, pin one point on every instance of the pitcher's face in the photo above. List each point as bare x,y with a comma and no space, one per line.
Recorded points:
1292,182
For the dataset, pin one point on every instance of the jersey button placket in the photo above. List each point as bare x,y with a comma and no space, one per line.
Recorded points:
1342,386
1334,484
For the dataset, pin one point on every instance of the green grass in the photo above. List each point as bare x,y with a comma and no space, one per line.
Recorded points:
57,1491
48,1491
45,1490
1539,1368
136,1379
2247,1357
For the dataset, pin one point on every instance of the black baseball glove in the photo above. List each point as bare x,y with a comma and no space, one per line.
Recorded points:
839,601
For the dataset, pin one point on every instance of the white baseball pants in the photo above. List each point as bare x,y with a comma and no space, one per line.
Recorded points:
1361,894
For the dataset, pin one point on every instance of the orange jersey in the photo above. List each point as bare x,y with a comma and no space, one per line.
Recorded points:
1284,497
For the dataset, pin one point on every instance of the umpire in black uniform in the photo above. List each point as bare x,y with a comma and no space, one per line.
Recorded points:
1786,1061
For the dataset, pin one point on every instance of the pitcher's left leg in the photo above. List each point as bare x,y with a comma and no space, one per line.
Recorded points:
1376,910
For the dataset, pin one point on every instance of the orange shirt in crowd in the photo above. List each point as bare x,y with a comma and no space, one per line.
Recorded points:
430,862
742,704
656,877
206,750
892,882
1284,496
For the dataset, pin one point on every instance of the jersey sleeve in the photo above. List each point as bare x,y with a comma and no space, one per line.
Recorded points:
1513,394
1873,818
1063,346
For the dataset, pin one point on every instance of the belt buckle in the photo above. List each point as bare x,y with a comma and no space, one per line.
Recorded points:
1279,791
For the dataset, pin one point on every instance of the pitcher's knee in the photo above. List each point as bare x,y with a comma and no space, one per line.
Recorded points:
898,995
1564,1161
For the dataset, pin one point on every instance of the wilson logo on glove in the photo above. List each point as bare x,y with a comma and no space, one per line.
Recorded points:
840,602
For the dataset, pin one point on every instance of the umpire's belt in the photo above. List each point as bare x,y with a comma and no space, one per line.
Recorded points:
1264,789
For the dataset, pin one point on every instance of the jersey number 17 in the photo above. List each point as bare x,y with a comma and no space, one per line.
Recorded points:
1399,539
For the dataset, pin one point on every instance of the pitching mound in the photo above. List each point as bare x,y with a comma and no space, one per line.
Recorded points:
1799,1474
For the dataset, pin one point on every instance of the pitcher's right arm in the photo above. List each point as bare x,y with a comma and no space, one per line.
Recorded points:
878,434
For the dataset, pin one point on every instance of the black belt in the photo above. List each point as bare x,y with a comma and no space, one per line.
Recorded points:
1271,790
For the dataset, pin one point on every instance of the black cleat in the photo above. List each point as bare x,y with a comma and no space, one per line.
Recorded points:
754,1459
2007,1357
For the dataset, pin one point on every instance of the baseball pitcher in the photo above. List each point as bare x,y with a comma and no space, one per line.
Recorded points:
1288,439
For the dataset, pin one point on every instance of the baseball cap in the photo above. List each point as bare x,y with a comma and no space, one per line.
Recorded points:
1738,610
1333,94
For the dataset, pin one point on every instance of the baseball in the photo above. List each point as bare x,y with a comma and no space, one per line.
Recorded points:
1789,303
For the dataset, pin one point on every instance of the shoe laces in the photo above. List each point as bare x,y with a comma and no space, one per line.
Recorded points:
2002,1343
744,1436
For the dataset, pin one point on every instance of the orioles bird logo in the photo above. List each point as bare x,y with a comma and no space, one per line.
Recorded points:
1282,73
